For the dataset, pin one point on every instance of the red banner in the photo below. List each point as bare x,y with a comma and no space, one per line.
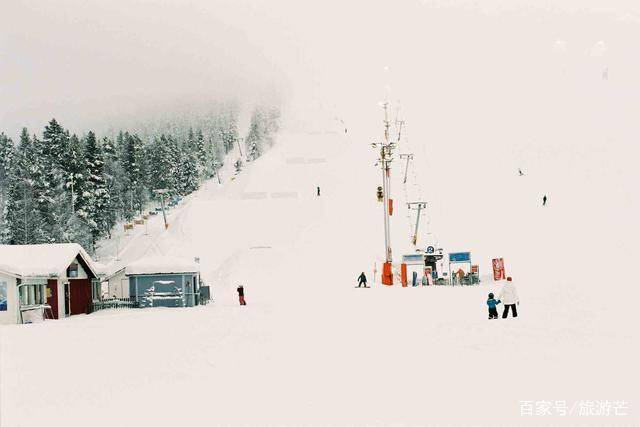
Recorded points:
498,269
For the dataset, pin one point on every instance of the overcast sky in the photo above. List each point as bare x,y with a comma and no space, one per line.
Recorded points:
92,62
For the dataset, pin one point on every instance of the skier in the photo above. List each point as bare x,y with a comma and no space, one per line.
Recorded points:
318,189
362,279
509,297
544,200
241,295
493,310
520,172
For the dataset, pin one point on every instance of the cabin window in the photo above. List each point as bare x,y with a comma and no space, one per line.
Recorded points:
3,295
33,295
72,271
96,289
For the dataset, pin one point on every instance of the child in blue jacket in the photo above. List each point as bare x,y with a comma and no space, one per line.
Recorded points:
492,303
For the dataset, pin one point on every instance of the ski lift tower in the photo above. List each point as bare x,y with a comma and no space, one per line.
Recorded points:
408,156
386,157
216,168
162,192
416,206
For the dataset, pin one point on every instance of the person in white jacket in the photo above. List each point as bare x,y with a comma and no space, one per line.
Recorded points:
509,297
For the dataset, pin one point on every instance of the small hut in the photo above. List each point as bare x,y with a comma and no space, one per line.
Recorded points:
159,281
48,280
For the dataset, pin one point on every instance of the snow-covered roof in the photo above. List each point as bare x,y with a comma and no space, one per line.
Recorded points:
162,265
42,260
100,268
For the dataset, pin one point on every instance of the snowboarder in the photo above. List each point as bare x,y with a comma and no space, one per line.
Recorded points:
241,295
318,190
509,297
362,279
493,310
544,200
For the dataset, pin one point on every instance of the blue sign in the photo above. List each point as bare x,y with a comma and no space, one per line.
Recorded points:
460,257
430,249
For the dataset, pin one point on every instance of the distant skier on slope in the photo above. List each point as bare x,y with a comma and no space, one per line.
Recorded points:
318,190
241,295
362,279
493,307
509,297
520,172
544,200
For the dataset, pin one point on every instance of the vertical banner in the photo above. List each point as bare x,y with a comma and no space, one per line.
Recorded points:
498,269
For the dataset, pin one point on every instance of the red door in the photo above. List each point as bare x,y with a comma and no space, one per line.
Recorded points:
80,290
52,300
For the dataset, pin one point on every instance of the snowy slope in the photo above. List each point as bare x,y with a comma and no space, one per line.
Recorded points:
310,348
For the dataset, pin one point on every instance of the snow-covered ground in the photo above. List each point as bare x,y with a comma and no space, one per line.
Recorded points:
310,348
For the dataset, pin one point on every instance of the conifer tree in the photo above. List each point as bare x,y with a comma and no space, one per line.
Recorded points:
24,224
6,159
99,219
255,137
134,166
75,176
114,178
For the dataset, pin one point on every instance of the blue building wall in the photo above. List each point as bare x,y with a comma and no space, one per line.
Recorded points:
164,290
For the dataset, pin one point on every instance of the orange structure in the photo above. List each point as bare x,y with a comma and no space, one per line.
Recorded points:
387,274
403,274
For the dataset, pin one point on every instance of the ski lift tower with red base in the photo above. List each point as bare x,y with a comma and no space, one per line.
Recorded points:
385,159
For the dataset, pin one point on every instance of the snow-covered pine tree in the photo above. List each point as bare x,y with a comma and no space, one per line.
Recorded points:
188,171
114,176
163,156
134,165
77,230
99,218
55,141
254,139
6,155
253,151
229,132
197,145
24,224
6,158
54,199
75,176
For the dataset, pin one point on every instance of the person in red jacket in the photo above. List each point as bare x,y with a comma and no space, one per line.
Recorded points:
241,295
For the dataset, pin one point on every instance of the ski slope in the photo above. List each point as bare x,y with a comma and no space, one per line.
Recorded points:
310,348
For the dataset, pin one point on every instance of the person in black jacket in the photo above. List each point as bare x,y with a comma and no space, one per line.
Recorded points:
362,279
241,295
